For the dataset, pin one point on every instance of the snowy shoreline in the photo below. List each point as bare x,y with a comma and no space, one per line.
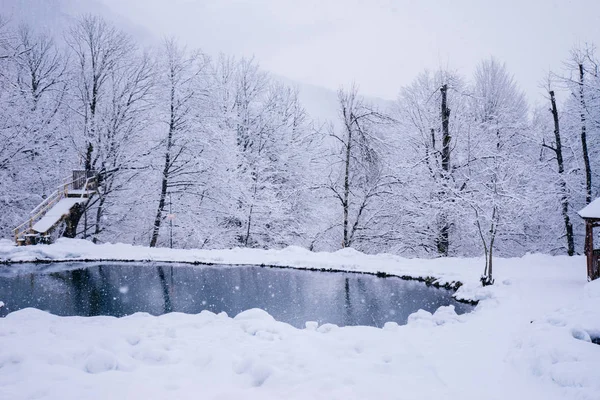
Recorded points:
457,274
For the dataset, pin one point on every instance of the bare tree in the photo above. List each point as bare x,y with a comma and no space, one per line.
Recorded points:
557,149
434,134
252,139
32,96
580,91
443,240
498,180
113,89
98,48
362,179
182,76
9,48
39,81
123,120
584,142
5,43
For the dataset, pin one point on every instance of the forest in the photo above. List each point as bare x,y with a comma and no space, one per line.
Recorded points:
219,153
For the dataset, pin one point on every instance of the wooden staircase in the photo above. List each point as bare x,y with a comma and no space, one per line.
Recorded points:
50,213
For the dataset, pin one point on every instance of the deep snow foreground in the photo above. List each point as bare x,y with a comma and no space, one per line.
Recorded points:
529,338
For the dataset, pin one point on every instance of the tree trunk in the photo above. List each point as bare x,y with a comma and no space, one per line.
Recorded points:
443,238
490,274
161,202
488,277
73,220
88,157
346,241
163,188
99,213
445,130
586,156
167,169
564,199
89,163
249,224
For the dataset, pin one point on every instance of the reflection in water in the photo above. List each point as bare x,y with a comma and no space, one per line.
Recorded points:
291,296
165,289
347,302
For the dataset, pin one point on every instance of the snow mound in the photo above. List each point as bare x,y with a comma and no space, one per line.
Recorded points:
559,349
254,314
326,328
441,316
100,361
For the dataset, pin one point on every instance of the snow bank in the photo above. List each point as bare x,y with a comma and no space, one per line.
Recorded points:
441,356
558,347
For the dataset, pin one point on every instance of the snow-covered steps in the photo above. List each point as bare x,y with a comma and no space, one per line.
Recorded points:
56,214
44,218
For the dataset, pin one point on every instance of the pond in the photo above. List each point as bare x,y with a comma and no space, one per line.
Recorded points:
292,296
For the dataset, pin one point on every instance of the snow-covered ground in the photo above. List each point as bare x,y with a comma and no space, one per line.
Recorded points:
529,338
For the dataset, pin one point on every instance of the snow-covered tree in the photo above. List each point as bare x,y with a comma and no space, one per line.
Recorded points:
185,91
497,177
358,180
271,136
555,172
112,84
33,84
433,125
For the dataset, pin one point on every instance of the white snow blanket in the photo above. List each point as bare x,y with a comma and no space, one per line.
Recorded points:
55,214
530,337
592,210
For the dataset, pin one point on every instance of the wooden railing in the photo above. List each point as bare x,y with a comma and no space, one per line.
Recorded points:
82,178
78,182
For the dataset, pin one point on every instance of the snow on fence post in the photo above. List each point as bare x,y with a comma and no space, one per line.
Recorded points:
591,215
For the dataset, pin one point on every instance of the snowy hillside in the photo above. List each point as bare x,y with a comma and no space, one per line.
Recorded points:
54,15
322,104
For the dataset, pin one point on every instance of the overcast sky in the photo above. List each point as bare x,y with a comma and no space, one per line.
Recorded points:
380,44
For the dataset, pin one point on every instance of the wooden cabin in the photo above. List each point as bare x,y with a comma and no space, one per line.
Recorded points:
591,215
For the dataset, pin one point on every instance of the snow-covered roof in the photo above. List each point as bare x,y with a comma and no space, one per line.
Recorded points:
592,210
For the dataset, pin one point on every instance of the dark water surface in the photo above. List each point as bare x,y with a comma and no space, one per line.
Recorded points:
292,296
